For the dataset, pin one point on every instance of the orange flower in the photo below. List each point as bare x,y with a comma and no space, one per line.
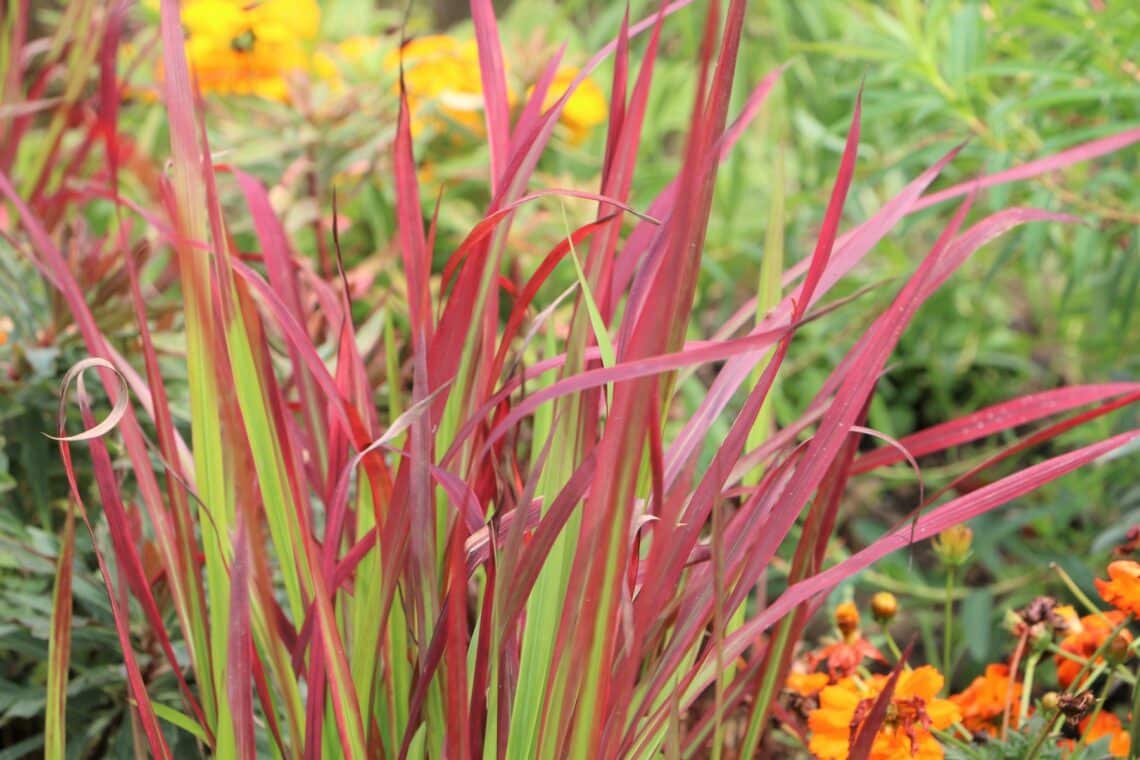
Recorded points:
1106,724
985,699
1122,591
1088,634
905,734
844,656
807,684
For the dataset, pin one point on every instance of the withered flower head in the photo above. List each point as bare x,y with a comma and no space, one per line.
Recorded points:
1039,620
1131,543
1076,706
1041,610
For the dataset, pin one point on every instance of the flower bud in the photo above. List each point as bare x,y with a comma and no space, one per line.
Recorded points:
847,619
1118,649
1050,701
884,606
953,545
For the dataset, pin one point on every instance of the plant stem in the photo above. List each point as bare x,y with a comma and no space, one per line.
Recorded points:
1026,686
948,631
892,645
1041,738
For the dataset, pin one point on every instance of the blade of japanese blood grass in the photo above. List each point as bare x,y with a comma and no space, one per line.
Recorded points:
537,280
1047,433
991,420
493,81
1063,159
1084,152
76,49
129,562
238,669
367,634
676,534
59,645
413,482
953,512
155,739
808,558
735,372
639,240
622,143
207,440
109,94
181,564
864,738
279,265
58,273
266,441
455,648
590,683
872,352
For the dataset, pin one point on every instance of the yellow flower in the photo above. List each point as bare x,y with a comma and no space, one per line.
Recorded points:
356,49
441,73
249,48
442,78
914,711
585,108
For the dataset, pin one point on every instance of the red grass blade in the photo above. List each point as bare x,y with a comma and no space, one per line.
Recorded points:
951,513
239,671
496,106
994,419
59,645
1083,152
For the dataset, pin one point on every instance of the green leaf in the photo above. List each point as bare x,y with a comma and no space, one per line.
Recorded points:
977,623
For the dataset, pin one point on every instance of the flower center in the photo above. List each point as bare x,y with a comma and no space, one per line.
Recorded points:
243,43
902,717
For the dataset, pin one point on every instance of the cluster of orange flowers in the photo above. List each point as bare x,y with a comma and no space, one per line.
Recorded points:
836,693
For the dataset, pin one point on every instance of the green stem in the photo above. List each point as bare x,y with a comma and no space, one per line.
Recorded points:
947,631
1041,738
1026,686
892,645
1074,588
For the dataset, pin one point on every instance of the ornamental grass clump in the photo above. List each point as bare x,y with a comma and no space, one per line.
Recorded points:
506,544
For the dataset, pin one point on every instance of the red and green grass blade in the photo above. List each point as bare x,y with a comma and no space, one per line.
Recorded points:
59,645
